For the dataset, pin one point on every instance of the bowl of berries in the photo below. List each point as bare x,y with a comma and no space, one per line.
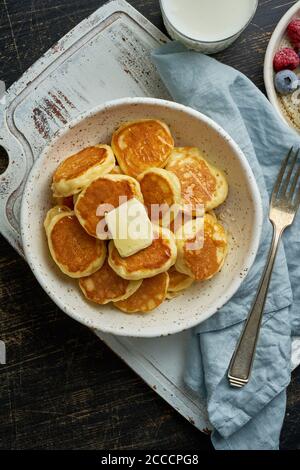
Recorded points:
282,68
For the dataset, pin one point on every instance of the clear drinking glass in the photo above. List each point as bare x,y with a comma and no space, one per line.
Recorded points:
208,47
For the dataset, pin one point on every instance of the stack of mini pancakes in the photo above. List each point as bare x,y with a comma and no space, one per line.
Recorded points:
141,163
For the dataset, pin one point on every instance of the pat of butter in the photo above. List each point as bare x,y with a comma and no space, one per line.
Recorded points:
130,227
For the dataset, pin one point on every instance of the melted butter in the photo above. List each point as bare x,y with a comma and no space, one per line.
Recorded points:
130,227
101,191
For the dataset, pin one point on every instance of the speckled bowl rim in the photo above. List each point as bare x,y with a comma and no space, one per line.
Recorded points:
253,244
272,47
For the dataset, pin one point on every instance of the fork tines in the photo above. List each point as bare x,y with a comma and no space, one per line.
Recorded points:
286,186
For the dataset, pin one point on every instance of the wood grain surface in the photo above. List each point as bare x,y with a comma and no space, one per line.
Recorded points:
61,387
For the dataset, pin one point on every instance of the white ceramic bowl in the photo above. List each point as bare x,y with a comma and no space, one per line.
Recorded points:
242,215
278,40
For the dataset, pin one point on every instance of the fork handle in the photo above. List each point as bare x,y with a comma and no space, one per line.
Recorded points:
242,359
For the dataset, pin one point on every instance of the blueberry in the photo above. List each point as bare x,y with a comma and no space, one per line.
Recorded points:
286,82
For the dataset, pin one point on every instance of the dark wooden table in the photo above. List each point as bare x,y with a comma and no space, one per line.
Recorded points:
62,388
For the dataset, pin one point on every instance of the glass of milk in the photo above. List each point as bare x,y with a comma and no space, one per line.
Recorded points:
207,25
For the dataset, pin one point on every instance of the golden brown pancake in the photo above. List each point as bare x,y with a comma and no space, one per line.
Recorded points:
105,190
178,281
172,295
78,170
157,258
150,295
181,218
73,250
160,188
116,170
201,183
105,286
201,262
67,201
53,212
140,145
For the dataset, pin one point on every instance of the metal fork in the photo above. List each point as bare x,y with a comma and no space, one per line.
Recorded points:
284,204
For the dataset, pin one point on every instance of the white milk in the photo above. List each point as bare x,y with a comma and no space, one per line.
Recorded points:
209,20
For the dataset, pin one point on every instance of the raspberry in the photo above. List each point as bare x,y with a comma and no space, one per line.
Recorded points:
286,58
293,32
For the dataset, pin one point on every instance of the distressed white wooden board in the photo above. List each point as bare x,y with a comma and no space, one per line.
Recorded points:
106,56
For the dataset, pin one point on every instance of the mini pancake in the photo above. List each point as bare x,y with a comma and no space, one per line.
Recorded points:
213,214
140,145
78,170
201,183
73,250
155,259
67,201
116,170
172,295
160,188
181,218
75,197
150,295
105,191
53,212
178,281
205,260
105,286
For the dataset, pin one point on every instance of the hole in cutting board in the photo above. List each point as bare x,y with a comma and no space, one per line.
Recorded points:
4,160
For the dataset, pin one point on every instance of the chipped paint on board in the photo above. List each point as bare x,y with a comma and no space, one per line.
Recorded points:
64,97
91,68
78,63
54,111
40,122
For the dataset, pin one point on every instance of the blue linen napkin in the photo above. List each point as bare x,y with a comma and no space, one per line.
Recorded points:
248,418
